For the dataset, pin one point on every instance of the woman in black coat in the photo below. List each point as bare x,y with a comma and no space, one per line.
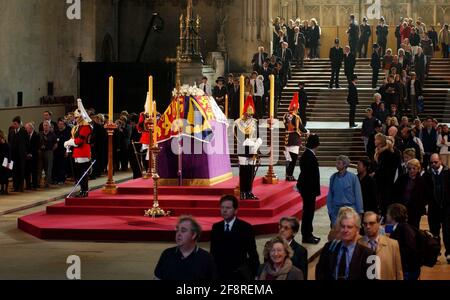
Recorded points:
411,190
386,163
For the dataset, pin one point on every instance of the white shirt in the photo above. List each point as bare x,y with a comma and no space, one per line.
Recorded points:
443,148
413,88
208,88
230,224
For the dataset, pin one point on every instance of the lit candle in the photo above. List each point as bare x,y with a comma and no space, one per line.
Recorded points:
154,125
111,100
242,90
272,96
150,95
226,106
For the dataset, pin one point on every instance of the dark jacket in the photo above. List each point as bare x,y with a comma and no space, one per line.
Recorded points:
429,140
308,183
439,197
375,62
405,236
235,252
365,31
369,193
336,57
18,142
300,258
414,200
417,86
352,98
349,64
382,33
326,267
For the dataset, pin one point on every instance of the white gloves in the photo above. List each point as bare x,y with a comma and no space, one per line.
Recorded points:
70,143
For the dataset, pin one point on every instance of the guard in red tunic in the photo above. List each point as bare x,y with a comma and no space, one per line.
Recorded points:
293,141
80,141
143,127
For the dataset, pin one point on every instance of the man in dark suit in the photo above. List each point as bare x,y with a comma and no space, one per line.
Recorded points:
18,141
345,259
233,100
336,57
353,35
382,32
349,63
31,163
352,100
365,33
288,228
258,59
438,178
429,140
286,59
299,46
233,244
375,64
303,102
308,185
397,33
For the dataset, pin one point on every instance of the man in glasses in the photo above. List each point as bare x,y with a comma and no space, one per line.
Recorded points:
439,207
288,228
389,266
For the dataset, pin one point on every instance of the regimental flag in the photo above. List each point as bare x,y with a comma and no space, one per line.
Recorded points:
195,116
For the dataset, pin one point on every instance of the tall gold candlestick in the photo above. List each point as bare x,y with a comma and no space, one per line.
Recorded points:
272,96
111,99
242,95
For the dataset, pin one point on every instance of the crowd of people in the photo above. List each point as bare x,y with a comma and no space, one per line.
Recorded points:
35,155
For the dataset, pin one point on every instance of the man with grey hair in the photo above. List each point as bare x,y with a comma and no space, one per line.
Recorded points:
186,261
345,259
344,190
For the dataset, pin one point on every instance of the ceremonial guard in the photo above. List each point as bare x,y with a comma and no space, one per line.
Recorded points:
248,143
80,141
143,128
294,129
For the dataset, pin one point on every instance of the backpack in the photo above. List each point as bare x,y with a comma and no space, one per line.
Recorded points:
428,247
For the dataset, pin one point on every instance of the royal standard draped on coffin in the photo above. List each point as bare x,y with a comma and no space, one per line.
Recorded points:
202,128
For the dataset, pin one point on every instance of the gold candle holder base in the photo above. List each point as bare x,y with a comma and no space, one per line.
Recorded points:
156,212
271,177
110,187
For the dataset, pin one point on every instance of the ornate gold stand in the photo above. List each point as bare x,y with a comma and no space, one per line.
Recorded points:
110,186
148,123
155,211
271,177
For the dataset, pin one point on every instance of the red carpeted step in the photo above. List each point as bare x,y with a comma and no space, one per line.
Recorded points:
120,217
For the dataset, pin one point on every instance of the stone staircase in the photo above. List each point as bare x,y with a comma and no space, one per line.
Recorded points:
330,105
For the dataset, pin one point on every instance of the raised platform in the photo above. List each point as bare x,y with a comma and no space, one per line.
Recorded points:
120,217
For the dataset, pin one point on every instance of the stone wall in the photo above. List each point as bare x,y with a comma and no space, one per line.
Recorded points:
40,44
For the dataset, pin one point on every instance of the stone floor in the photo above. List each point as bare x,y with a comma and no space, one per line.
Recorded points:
26,257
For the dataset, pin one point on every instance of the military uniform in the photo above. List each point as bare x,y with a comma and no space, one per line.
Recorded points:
248,143
294,129
80,141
